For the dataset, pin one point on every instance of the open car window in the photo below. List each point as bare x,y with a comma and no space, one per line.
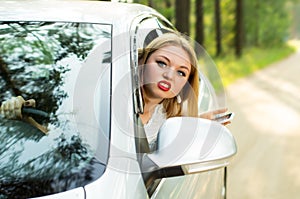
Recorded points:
210,92
58,65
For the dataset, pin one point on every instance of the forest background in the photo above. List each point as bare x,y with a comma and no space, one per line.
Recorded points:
241,36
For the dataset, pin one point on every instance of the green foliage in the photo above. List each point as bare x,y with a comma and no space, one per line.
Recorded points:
227,25
166,8
252,60
266,22
294,9
266,30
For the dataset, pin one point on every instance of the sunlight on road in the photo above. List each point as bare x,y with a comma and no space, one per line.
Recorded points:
274,103
295,43
267,130
275,107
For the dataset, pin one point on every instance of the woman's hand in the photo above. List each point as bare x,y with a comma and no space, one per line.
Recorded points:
211,115
12,108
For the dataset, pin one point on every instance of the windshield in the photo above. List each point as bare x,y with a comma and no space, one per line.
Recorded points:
58,65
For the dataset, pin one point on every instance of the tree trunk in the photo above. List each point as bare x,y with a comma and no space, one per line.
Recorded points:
151,4
239,28
199,25
182,12
7,78
218,28
169,5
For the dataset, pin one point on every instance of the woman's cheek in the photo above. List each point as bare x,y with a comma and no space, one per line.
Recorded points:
149,74
180,84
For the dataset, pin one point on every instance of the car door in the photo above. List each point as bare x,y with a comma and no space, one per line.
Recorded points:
209,184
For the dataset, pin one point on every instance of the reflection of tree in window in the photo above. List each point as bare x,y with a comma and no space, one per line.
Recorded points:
34,60
31,54
65,163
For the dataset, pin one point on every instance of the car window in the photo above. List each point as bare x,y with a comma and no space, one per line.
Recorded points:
65,67
139,38
142,30
209,79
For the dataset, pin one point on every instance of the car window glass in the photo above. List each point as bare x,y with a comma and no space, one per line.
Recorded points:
54,63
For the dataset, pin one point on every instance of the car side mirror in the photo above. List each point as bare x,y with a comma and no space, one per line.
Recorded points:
188,145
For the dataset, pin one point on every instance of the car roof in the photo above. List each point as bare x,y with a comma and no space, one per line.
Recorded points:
71,11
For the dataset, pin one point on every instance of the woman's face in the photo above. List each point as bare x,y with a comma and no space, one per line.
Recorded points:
166,72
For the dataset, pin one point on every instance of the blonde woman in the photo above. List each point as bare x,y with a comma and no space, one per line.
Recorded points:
170,82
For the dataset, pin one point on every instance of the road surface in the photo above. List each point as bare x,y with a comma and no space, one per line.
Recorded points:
267,131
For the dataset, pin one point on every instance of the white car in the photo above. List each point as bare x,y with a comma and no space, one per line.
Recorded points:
78,60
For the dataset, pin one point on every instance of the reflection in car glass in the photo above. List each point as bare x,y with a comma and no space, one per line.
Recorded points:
41,60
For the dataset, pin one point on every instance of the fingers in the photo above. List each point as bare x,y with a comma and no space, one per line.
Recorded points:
219,111
211,115
226,123
12,108
17,107
207,115
29,103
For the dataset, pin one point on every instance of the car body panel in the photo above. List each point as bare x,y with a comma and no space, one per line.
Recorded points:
78,193
122,179
201,185
75,11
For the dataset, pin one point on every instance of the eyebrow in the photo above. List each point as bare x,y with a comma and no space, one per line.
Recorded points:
187,68
163,56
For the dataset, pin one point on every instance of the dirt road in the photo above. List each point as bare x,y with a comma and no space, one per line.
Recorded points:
267,130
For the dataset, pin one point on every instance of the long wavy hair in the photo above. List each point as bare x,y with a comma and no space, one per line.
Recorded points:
189,93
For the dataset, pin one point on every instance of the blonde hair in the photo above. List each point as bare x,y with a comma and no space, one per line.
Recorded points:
189,93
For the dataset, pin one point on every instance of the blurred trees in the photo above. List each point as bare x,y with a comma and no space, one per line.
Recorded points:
267,22
228,25
32,52
295,25
218,27
239,28
199,37
182,18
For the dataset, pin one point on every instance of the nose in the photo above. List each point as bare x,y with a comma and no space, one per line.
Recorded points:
168,74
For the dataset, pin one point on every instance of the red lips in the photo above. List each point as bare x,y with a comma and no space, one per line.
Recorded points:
164,85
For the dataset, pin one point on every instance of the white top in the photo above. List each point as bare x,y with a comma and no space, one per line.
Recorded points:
152,127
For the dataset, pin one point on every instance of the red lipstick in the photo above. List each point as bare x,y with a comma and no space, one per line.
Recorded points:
164,85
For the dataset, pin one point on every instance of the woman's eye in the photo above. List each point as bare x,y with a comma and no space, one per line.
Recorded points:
181,73
161,64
